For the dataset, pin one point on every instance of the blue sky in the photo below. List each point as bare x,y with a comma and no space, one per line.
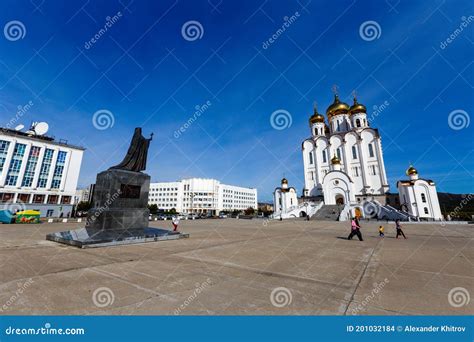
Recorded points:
144,71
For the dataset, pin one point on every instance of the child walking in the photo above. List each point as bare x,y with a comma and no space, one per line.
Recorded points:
381,231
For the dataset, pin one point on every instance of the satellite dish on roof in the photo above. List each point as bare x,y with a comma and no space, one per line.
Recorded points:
19,127
40,128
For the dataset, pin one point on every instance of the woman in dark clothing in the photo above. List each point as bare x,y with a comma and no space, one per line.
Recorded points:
399,229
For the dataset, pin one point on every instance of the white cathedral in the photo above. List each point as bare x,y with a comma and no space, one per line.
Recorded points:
344,173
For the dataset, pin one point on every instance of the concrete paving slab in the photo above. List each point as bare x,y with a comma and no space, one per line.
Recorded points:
243,267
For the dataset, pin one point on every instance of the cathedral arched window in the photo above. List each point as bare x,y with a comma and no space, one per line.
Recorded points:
423,198
311,157
358,122
324,156
354,152
315,131
371,150
426,210
338,151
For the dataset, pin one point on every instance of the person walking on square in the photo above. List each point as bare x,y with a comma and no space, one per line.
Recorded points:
399,229
381,231
175,222
355,230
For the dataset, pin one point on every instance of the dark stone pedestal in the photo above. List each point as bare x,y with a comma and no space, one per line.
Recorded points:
119,215
91,237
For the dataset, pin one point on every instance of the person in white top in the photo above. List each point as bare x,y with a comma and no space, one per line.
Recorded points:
175,223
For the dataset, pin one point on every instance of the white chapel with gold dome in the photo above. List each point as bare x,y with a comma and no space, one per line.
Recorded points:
344,171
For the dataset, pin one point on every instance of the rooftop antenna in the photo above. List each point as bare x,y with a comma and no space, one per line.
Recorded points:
31,131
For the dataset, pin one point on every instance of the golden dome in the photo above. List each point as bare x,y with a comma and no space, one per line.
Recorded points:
337,107
284,181
316,117
335,160
357,107
411,171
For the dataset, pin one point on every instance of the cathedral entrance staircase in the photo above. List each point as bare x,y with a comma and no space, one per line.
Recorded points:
328,213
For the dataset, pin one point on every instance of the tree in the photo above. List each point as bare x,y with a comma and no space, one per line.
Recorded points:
153,209
249,211
172,211
83,206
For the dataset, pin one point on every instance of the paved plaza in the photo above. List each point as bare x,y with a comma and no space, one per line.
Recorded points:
243,267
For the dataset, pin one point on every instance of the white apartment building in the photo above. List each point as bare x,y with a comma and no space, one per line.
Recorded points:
37,172
200,195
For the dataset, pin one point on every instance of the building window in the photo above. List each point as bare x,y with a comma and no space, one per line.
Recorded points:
53,199
66,200
354,152
38,198
311,157
23,198
3,152
44,170
338,152
358,122
58,170
423,198
371,150
31,166
426,210
324,156
15,164
6,197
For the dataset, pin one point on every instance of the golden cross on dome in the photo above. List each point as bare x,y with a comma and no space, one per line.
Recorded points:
335,89
315,107
354,93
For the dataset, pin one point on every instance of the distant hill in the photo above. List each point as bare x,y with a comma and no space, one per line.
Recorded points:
460,206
